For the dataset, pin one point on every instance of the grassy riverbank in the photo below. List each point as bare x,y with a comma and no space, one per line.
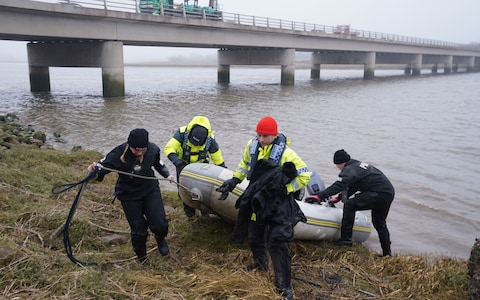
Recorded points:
203,264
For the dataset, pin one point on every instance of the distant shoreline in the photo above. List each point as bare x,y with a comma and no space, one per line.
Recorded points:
298,65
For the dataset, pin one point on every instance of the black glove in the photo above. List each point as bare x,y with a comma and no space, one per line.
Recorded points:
227,187
289,170
93,174
180,165
313,199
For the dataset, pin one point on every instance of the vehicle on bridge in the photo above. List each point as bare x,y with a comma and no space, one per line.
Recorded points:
168,8
344,30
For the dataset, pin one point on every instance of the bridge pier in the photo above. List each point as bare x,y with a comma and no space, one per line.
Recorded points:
417,65
283,57
223,73
467,61
315,71
407,70
369,65
106,55
448,65
476,65
368,59
471,64
39,79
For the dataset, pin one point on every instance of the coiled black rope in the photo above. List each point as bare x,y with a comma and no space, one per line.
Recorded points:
60,188
57,189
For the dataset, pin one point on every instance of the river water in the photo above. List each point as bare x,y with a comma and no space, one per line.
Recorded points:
422,132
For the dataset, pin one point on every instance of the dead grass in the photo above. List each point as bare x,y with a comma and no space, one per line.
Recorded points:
203,264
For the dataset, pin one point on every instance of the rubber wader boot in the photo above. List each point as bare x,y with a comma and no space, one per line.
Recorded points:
162,246
345,236
189,211
344,242
140,249
386,249
286,293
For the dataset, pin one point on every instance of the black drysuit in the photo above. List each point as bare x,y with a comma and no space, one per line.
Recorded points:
141,198
376,192
270,215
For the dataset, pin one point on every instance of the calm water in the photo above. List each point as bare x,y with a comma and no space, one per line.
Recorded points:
423,132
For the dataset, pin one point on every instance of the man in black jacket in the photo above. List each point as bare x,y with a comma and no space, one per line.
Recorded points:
370,189
139,192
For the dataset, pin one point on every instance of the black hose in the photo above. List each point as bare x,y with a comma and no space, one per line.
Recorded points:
57,189
60,188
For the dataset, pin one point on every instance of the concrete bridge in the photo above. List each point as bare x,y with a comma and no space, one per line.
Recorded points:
91,33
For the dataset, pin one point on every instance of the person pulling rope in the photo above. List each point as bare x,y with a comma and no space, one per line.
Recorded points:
60,188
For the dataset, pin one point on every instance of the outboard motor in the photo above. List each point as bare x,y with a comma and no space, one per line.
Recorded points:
316,184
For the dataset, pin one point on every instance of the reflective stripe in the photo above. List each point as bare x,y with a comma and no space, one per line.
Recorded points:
277,151
295,184
302,170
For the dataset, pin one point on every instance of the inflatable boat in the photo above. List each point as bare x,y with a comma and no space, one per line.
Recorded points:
197,188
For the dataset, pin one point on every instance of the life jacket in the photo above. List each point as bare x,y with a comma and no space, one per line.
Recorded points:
202,154
279,146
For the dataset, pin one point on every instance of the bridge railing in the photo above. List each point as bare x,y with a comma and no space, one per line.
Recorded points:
234,18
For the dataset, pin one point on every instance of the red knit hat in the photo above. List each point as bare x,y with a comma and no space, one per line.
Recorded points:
268,126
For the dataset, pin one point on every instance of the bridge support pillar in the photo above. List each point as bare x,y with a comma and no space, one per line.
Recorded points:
369,65
368,59
407,70
288,73
283,57
417,65
471,64
106,55
435,68
448,65
315,71
39,79
223,73
315,68
111,61
476,64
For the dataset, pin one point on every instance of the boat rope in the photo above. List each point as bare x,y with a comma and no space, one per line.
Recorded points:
60,188
57,189
193,194
138,176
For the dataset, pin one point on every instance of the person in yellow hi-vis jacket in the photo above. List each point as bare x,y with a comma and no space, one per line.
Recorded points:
194,143
276,173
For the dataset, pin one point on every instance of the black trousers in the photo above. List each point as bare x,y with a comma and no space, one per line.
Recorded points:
275,236
380,206
143,214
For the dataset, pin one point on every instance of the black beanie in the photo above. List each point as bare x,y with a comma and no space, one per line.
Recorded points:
138,138
198,135
340,157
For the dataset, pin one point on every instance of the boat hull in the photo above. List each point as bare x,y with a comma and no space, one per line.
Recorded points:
197,188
